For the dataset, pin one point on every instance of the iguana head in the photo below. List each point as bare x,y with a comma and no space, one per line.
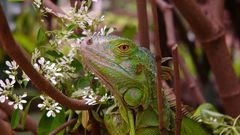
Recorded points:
126,69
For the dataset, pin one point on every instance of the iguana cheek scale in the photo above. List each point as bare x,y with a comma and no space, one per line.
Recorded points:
128,71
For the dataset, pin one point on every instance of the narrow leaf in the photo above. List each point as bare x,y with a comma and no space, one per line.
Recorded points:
15,118
40,35
48,124
26,110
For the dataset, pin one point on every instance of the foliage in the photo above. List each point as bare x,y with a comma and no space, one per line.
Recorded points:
220,124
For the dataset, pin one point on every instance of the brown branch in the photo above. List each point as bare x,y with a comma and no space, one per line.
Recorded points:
213,43
193,14
63,126
171,41
3,115
30,124
213,10
143,23
177,90
73,2
158,61
5,128
19,55
194,87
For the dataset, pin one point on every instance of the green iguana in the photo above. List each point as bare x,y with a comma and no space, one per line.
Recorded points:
129,72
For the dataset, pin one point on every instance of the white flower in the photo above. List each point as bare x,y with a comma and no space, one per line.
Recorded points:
105,98
52,110
53,80
19,101
41,61
36,66
35,55
7,85
50,105
91,101
51,113
4,95
25,77
3,98
12,65
37,3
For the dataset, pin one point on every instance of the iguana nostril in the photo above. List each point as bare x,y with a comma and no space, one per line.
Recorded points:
89,41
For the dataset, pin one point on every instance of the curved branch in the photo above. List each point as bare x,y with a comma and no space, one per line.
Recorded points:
19,55
63,126
30,124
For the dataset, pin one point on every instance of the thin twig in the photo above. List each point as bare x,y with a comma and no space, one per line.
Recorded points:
171,41
143,30
177,90
63,126
158,61
194,87
30,124
20,56
213,42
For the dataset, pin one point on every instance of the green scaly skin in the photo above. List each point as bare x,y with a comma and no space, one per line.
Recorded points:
129,71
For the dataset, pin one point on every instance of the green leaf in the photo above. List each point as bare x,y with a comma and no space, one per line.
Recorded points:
89,3
15,118
83,82
27,43
41,35
54,54
48,124
76,64
26,110
71,27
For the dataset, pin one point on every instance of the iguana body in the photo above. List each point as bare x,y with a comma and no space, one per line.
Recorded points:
129,72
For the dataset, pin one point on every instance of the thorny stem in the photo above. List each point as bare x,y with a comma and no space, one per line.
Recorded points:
19,55
143,23
63,126
158,61
171,41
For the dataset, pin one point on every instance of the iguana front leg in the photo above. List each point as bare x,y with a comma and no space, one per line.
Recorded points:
115,123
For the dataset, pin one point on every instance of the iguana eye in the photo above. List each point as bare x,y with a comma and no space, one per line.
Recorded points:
123,48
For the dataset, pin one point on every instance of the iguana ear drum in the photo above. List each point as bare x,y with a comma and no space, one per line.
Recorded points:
133,97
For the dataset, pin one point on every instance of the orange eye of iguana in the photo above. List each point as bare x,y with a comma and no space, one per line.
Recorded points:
123,48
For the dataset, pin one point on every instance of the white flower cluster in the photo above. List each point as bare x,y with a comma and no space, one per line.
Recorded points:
18,101
90,96
6,89
50,105
55,72
79,19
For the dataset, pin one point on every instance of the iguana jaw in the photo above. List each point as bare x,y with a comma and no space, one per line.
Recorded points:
102,78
